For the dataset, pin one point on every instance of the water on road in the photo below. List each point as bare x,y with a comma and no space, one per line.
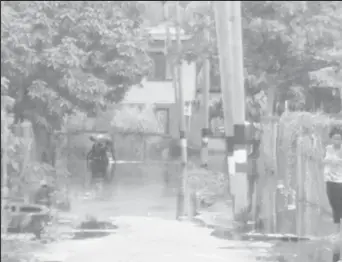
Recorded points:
148,231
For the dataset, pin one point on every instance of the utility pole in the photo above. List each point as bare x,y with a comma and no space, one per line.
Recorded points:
239,114
182,196
4,174
222,12
168,44
205,96
170,65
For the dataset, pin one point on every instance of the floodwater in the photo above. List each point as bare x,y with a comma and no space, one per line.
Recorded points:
152,199
127,199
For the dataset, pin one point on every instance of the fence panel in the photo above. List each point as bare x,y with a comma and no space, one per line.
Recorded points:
292,174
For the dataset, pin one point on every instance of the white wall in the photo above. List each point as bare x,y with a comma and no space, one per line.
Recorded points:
162,92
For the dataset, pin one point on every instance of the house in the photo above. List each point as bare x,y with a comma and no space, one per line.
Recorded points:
157,88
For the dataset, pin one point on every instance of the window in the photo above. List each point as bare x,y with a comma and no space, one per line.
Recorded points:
162,115
161,69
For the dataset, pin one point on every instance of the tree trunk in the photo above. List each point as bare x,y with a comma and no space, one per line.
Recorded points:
271,95
44,146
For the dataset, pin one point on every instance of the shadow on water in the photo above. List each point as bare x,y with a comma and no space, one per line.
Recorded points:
94,229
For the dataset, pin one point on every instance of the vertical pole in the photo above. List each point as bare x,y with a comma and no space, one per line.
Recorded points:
287,106
205,95
25,130
168,44
239,115
4,174
300,190
340,241
182,193
170,64
224,41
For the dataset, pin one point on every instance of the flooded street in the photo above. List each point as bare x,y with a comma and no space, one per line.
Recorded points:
125,200
147,231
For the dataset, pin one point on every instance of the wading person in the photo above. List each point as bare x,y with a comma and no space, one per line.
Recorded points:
333,177
100,156
43,194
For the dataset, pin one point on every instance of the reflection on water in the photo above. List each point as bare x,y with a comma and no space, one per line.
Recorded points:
147,200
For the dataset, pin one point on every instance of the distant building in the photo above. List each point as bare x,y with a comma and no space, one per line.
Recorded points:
157,89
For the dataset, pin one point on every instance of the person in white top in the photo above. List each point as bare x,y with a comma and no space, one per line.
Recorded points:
333,176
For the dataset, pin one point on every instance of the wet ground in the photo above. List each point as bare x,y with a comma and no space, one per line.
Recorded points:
128,200
147,231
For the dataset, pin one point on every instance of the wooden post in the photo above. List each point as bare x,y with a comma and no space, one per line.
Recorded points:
274,184
224,41
27,136
170,63
205,95
183,200
168,43
300,190
340,240
4,175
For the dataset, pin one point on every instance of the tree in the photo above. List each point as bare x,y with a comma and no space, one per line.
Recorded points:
293,37
283,43
61,57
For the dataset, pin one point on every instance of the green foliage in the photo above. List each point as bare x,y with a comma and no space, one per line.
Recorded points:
137,120
131,123
208,185
64,56
23,172
283,43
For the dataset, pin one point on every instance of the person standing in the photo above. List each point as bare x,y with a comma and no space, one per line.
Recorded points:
333,177
43,194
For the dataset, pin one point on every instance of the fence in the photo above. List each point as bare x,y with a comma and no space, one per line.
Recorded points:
291,171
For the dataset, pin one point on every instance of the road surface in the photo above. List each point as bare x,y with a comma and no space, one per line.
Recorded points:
147,232
144,239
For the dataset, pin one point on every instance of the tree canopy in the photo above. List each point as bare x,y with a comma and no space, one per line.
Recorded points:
59,57
285,45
